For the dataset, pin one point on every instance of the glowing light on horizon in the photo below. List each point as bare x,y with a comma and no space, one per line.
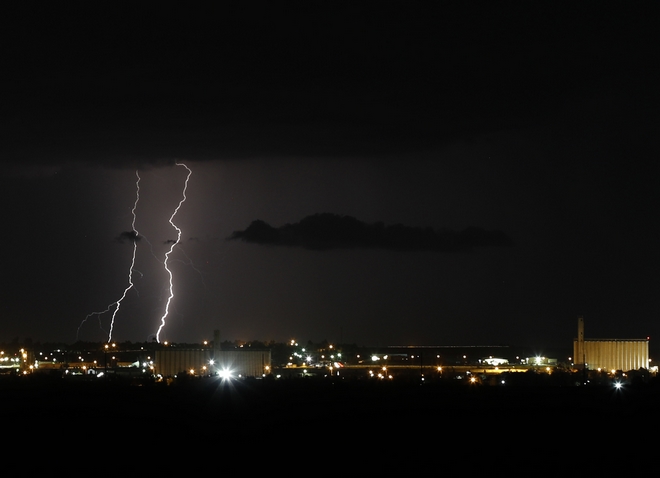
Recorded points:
225,374
167,254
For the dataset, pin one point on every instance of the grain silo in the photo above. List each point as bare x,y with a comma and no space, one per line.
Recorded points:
609,354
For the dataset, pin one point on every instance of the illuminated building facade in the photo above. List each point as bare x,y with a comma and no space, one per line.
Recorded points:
609,354
244,363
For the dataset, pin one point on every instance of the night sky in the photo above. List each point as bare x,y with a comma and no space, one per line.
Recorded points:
383,173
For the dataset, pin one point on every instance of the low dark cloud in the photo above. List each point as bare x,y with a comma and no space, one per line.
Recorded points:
332,231
131,236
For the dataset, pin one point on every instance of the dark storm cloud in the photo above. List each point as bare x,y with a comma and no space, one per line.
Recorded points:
131,236
332,231
98,85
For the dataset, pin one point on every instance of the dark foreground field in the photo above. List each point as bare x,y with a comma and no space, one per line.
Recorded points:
323,427
321,409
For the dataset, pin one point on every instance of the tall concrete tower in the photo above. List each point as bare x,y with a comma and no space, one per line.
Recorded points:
579,351
216,340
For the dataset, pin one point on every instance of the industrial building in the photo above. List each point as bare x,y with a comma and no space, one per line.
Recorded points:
609,354
248,363
212,361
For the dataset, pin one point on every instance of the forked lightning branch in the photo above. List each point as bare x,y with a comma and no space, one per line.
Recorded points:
134,235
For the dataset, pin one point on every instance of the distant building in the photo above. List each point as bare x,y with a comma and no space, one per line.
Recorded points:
495,361
213,361
609,354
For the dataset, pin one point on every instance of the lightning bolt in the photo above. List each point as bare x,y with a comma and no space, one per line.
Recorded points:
192,265
117,303
167,254
130,271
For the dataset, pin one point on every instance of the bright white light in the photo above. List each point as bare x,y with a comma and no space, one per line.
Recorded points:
617,385
496,361
225,373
